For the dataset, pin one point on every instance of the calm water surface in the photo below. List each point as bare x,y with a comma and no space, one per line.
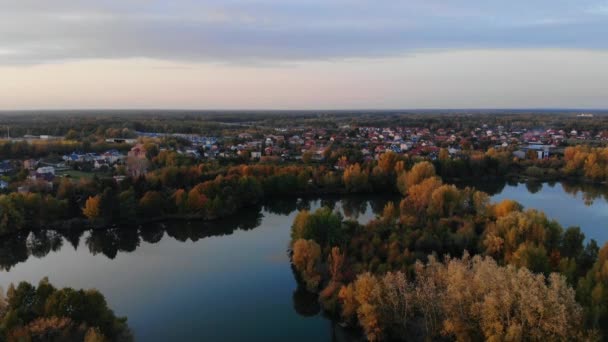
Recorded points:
225,281
582,205
231,280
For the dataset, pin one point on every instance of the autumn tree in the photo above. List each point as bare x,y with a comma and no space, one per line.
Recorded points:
305,258
419,172
419,197
444,154
92,207
444,201
592,293
356,179
323,226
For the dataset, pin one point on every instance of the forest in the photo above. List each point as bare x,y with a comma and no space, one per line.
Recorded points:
46,313
447,263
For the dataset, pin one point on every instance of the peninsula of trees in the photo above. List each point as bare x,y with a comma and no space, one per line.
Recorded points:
447,263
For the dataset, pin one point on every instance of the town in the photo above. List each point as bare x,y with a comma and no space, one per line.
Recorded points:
132,152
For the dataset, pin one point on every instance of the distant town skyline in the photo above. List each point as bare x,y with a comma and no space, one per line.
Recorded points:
270,54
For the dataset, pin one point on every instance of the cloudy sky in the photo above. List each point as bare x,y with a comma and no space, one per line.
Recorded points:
260,54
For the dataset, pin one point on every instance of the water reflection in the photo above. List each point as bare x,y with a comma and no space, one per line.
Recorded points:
109,242
534,187
589,191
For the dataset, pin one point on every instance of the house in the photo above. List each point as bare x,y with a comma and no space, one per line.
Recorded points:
45,173
138,151
5,167
46,170
99,163
112,156
30,164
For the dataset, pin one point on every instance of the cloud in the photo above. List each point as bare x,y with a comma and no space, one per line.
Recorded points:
270,31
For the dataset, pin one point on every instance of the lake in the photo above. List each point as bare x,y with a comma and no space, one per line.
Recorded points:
231,280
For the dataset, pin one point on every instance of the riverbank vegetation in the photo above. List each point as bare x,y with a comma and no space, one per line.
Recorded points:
175,187
45,313
448,263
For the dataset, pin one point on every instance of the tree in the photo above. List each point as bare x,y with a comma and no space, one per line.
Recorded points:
505,207
323,226
419,196
336,263
444,155
444,201
307,157
305,258
356,179
418,173
127,206
92,207
387,162
592,293
366,293
572,242
151,204
196,201
94,335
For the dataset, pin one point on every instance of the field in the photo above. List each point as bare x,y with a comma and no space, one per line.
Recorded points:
75,174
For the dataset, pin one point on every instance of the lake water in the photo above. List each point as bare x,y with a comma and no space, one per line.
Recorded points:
231,280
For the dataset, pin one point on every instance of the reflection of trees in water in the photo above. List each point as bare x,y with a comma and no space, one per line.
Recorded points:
282,206
109,242
589,192
491,187
354,206
377,203
534,187
13,250
73,236
41,243
305,303
303,204
329,203
152,233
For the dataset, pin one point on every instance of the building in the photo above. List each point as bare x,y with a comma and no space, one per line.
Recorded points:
138,151
5,167
30,164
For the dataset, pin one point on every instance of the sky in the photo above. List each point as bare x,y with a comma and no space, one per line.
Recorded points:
316,54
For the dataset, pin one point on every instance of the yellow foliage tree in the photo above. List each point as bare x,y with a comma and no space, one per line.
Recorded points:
305,258
92,208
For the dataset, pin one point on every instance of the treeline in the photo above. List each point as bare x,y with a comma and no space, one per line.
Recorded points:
374,274
45,313
178,189
42,149
588,162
